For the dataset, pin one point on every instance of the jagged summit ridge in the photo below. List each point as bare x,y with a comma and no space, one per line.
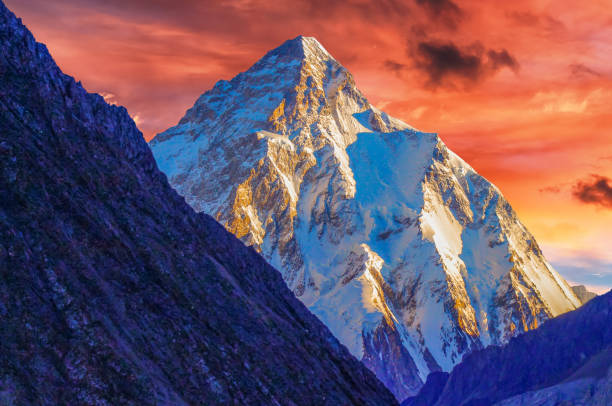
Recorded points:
300,52
409,256
300,48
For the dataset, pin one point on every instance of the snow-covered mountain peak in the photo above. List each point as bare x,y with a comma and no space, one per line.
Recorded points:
409,256
285,89
300,48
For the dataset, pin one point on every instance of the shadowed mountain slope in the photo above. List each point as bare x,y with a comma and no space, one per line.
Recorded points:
566,361
113,290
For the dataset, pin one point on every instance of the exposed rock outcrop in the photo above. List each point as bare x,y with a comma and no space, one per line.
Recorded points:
583,294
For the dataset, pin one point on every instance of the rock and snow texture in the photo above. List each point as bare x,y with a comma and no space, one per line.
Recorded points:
583,294
408,255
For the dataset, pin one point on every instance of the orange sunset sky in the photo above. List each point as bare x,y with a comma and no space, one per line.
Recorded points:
520,89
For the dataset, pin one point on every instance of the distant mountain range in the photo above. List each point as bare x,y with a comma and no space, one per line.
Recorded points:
566,361
113,291
582,293
411,258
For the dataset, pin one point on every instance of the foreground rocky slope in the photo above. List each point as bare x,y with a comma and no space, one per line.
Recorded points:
113,290
567,361
408,255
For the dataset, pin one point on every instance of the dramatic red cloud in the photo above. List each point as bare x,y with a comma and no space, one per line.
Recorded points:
522,90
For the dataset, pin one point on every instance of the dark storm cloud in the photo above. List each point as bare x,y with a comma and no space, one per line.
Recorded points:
446,63
595,190
442,60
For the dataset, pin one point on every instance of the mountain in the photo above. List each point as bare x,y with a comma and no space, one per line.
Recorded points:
114,291
566,361
583,294
409,256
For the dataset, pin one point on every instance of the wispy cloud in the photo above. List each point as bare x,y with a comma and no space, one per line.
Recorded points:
585,270
581,71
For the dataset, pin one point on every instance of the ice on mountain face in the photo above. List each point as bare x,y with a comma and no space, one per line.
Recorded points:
408,255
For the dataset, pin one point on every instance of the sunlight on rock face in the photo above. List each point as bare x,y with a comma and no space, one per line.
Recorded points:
382,231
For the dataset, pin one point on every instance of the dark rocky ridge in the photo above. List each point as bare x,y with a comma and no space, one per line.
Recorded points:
113,290
571,347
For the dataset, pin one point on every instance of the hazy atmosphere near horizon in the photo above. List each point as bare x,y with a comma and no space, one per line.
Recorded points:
521,90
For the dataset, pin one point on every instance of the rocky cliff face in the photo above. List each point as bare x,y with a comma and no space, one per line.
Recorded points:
113,290
408,255
567,361
583,294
